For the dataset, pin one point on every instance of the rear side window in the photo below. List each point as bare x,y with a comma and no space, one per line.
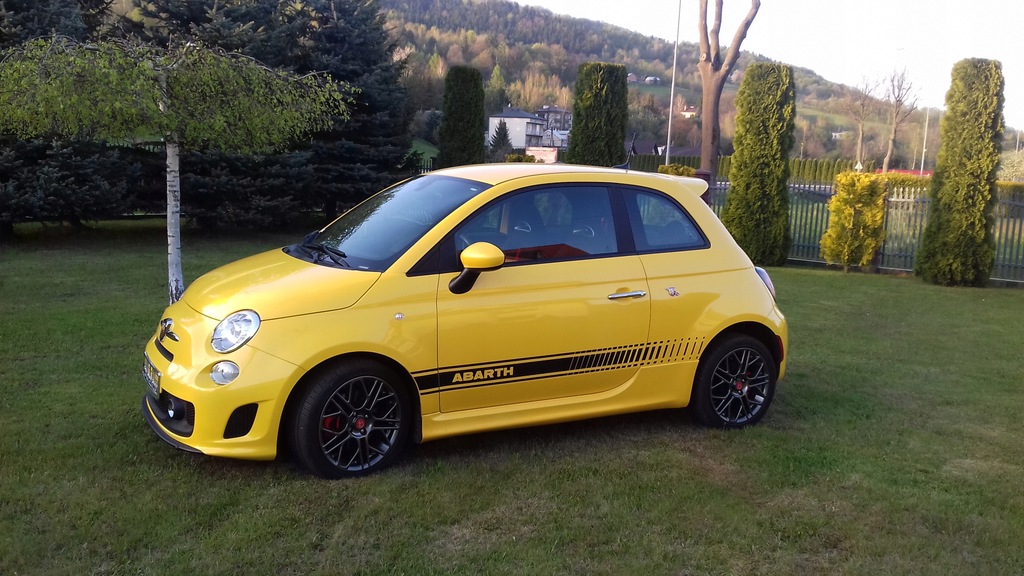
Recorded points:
659,224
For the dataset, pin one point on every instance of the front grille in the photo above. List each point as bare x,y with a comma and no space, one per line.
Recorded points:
183,421
164,351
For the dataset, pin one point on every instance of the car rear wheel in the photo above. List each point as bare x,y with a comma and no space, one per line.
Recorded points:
353,420
735,383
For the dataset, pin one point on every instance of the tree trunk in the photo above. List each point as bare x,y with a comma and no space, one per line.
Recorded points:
860,141
710,128
714,70
175,277
888,153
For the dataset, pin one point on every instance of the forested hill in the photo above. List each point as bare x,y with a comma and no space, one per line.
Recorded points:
527,25
531,28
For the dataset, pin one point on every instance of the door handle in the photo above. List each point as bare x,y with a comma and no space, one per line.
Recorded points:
633,294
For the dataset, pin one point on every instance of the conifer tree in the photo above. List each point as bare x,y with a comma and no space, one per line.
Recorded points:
500,144
958,247
600,115
757,207
462,125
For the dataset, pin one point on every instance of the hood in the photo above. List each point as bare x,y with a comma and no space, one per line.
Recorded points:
276,285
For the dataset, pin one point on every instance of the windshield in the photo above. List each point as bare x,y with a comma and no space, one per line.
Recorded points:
378,231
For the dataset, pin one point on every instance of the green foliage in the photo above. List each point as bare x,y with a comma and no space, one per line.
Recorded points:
600,115
344,39
73,182
677,170
462,123
112,91
958,247
22,20
856,225
500,145
528,158
757,207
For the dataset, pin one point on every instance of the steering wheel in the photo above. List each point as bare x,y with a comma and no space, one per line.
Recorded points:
583,230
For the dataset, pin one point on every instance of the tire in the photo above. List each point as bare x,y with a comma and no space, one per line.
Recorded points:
735,383
353,420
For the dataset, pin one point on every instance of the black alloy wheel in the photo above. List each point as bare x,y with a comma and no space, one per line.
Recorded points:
353,420
735,383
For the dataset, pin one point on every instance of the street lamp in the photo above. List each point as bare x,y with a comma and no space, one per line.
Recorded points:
672,90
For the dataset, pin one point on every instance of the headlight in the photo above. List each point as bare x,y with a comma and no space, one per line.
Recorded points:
235,330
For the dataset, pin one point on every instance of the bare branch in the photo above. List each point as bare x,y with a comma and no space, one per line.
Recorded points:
716,30
741,33
702,31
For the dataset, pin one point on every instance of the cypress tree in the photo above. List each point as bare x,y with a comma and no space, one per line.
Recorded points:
462,124
757,207
600,115
958,248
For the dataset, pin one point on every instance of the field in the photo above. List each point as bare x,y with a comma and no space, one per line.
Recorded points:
894,446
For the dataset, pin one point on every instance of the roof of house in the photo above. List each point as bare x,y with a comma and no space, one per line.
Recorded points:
516,113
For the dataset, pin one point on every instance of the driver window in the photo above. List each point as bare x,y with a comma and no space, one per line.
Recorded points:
546,224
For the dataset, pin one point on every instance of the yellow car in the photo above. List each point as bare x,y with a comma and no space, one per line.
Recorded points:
469,299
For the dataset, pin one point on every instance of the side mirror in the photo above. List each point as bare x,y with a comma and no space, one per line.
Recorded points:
476,258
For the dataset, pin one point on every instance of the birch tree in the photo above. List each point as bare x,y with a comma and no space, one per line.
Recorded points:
714,71
192,96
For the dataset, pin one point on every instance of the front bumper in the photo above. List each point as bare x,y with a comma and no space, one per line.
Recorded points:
191,412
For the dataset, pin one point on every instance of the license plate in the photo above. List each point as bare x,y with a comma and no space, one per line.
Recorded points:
152,377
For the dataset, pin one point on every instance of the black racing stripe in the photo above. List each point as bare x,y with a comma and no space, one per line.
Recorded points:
564,364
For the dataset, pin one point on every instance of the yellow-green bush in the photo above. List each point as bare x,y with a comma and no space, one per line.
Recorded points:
676,170
856,220
521,158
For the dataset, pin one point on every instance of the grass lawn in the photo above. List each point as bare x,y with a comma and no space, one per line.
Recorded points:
894,446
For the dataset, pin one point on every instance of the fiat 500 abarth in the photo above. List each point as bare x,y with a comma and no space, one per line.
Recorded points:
469,299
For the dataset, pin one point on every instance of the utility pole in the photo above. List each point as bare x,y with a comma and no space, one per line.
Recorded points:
672,90
924,143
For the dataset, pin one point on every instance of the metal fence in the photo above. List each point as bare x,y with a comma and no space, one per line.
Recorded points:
905,218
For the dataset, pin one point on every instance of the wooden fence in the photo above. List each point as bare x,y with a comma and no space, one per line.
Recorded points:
905,218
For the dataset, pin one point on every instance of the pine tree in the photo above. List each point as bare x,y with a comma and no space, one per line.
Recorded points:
346,39
958,247
500,144
600,115
757,207
462,126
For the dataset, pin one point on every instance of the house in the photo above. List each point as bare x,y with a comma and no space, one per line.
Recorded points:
652,80
632,78
689,112
524,129
556,117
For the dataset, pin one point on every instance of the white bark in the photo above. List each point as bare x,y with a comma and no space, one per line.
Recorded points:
175,277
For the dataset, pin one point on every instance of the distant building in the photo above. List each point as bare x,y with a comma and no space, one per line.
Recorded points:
840,135
689,112
652,80
632,78
556,117
524,129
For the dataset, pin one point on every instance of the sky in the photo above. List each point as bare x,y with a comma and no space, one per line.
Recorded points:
847,41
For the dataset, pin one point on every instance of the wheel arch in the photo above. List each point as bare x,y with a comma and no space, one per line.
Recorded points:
759,332
306,380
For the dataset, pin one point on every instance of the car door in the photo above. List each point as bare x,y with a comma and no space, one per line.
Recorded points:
567,316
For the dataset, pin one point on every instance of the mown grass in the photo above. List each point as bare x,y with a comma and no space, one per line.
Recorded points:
894,447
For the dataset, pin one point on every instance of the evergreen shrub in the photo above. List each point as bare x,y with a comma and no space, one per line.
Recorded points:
856,224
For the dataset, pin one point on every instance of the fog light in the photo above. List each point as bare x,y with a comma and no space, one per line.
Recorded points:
224,372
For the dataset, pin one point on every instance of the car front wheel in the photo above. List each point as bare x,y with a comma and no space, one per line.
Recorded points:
735,383
353,420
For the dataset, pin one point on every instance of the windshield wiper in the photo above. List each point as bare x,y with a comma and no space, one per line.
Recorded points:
332,253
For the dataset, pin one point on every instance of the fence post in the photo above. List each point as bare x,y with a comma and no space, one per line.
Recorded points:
705,175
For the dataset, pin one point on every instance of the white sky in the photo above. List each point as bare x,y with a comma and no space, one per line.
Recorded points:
847,40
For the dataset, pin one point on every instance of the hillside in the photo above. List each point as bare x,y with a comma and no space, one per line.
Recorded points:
538,52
